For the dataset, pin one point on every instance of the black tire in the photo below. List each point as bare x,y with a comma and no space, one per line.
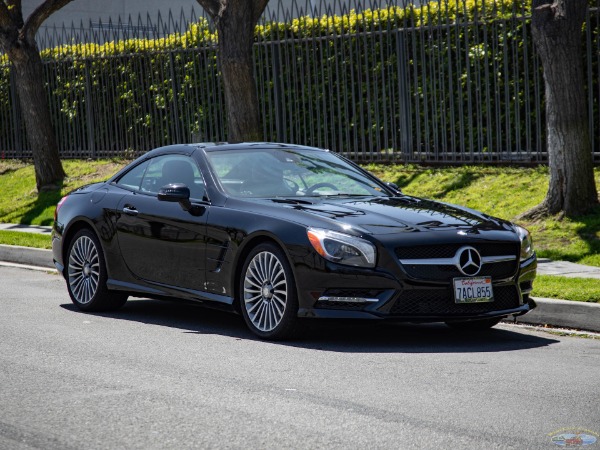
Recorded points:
267,291
474,325
86,275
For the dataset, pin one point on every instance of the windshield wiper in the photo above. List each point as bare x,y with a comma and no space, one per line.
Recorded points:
292,201
342,194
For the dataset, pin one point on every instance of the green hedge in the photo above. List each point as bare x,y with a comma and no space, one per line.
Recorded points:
452,80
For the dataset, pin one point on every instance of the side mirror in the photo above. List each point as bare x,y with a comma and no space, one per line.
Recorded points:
180,193
174,192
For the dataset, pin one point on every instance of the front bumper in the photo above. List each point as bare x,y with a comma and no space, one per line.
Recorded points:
321,313
385,295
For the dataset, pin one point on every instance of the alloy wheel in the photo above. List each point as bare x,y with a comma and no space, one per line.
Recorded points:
84,269
265,291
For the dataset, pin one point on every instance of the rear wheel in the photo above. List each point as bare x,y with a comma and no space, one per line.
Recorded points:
86,275
474,325
268,300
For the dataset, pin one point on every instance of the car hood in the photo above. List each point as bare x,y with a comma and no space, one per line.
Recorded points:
387,215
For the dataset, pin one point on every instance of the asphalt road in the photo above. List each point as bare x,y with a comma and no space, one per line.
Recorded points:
171,375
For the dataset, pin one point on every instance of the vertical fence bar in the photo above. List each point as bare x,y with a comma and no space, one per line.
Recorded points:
403,97
278,92
175,102
89,113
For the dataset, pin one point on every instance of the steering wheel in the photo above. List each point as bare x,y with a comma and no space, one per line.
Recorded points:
316,186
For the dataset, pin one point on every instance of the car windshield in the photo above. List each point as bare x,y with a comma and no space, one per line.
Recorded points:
283,172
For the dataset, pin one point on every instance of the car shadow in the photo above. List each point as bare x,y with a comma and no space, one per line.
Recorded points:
329,335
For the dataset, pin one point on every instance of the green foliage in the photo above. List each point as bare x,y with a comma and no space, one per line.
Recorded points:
566,288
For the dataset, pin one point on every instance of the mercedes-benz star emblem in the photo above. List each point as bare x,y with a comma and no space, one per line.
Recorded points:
469,261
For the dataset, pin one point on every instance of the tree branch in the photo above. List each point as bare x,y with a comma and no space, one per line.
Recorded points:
37,17
212,7
259,8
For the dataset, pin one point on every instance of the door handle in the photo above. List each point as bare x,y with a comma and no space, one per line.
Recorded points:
130,210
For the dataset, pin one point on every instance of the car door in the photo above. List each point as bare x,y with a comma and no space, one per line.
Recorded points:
159,241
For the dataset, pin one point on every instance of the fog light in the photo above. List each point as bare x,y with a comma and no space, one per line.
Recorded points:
348,299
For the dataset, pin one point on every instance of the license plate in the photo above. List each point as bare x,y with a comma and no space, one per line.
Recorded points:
473,290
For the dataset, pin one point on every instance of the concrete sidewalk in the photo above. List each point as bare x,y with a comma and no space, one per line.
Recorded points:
560,313
26,228
567,269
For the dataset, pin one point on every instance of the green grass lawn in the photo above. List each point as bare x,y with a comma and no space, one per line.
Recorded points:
20,202
25,239
499,191
577,289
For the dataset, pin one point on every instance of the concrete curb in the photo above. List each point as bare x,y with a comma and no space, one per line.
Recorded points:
560,313
26,255
564,313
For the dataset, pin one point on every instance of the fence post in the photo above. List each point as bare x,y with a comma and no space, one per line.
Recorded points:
403,96
278,94
16,115
178,133
89,112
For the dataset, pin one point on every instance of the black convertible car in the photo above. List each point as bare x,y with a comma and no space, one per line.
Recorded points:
281,232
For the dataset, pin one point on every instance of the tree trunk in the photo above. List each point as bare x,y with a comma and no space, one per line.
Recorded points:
557,29
235,21
236,36
17,41
33,99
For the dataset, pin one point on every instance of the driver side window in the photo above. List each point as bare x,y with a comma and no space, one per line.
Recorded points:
169,169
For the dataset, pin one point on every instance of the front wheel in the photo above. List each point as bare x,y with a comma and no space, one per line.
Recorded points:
474,325
86,275
268,299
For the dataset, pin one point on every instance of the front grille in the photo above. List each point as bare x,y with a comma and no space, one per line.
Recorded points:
500,270
440,302
436,272
449,250
446,273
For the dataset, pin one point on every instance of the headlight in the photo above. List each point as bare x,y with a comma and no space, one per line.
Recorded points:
342,248
526,243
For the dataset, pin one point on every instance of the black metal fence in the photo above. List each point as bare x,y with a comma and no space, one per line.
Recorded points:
450,81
